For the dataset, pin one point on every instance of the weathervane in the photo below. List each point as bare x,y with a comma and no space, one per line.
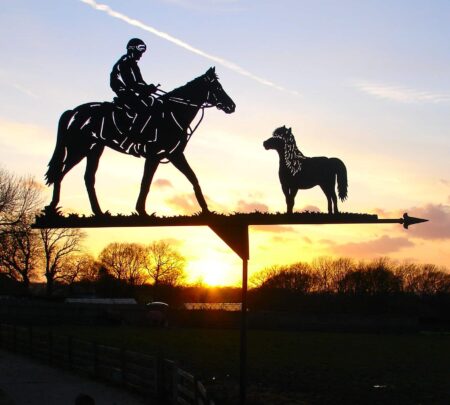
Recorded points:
145,122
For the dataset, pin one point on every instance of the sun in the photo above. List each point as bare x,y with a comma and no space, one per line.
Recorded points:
212,272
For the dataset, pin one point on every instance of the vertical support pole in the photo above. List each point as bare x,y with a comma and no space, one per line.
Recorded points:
243,340
236,237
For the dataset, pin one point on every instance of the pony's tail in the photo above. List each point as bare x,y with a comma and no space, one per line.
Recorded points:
56,164
341,172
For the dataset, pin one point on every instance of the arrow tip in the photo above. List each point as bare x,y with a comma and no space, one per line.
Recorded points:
407,220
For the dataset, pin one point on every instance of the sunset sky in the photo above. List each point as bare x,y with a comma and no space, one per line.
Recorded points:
365,81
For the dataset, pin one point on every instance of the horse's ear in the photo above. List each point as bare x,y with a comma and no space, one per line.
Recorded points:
290,131
214,69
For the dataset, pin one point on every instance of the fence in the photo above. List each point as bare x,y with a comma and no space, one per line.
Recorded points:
147,375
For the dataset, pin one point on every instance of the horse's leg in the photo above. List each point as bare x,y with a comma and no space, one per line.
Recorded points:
92,160
151,164
71,160
180,162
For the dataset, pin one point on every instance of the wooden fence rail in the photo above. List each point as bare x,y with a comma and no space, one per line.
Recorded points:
147,375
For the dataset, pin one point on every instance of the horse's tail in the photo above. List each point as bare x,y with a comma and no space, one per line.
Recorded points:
341,172
56,164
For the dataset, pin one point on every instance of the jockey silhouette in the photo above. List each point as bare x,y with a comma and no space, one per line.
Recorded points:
131,89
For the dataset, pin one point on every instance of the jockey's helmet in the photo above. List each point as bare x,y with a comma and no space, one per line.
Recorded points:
136,44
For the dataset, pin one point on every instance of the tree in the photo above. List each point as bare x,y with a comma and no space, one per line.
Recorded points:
124,261
19,249
164,265
58,245
20,252
79,267
19,197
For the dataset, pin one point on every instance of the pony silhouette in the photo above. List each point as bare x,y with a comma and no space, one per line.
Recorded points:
85,131
296,171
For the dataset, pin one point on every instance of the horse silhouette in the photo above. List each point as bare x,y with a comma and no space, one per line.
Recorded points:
297,171
85,131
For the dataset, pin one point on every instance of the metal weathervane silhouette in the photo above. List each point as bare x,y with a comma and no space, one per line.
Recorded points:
138,123
300,172
144,121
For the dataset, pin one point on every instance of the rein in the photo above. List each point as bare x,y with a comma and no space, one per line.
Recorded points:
189,130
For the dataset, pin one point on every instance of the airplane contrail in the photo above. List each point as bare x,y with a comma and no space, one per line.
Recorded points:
230,65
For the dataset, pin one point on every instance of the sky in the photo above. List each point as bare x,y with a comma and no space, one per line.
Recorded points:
365,81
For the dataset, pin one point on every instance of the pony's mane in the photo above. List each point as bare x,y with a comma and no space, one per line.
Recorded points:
180,91
292,154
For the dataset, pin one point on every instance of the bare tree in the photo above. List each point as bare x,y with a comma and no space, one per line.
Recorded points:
19,197
79,267
58,245
20,252
164,265
19,248
124,261
259,278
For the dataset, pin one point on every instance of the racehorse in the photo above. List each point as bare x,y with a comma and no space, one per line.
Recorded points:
85,131
297,171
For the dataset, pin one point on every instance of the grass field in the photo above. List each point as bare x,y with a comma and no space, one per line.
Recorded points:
298,367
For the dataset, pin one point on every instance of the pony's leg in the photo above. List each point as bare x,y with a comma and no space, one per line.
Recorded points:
180,162
92,160
334,199
327,191
289,194
151,164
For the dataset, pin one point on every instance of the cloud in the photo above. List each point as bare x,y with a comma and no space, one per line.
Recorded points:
5,79
244,206
145,27
186,203
310,208
380,246
400,94
438,226
273,228
163,183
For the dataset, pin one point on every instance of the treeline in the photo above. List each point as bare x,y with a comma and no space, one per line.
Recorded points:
56,256
346,276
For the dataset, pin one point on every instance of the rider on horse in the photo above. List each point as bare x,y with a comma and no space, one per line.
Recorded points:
131,89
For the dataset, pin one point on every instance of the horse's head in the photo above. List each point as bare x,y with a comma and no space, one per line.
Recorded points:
280,137
216,96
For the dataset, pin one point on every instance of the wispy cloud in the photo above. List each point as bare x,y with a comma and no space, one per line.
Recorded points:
217,59
400,94
5,79
380,246
245,206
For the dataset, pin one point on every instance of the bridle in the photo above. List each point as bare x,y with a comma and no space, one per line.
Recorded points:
180,100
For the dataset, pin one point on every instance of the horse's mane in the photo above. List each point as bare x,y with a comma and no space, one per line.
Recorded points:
292,154
181,91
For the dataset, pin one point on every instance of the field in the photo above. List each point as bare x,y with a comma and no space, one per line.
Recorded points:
298,367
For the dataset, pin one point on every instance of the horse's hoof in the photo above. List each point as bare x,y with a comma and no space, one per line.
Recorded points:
52,211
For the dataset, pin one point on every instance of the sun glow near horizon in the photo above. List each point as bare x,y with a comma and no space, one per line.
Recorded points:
213,272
